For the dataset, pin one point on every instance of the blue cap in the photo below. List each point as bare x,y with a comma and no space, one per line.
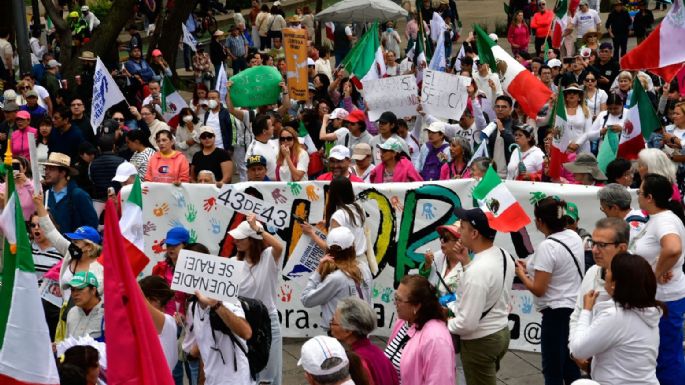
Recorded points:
85,233
176,236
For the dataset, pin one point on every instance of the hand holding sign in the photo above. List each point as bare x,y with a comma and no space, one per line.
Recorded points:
215,277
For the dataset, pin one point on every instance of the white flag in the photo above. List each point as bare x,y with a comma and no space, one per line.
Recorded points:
437,25
221,83
106,93
188,38
438,61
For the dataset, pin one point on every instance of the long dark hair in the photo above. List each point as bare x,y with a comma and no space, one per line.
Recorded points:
550,211
661,191
156,287
140,136
341,196
257,246
635,283
422,292
82,356
355,95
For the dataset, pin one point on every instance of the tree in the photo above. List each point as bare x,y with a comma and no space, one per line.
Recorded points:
104,39
168,30
317,24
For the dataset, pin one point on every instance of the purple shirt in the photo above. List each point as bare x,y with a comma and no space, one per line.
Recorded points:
380,367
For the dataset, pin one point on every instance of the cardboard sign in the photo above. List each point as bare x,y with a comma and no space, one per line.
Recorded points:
398,94
272,215
444,95
295,44
256,86
51,292
216,277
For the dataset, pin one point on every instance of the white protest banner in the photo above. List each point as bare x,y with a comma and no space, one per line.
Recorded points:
402,218
444,95
106,93
215,277
398,94
239,201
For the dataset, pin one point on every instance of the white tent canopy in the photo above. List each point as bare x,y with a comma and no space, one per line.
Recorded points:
361,11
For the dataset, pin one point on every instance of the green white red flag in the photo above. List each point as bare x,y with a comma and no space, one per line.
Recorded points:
504,212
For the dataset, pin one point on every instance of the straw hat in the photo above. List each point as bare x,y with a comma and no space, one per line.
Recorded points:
57,159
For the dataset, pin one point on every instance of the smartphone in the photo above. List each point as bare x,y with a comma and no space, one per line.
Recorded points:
110,191
16,167
568,60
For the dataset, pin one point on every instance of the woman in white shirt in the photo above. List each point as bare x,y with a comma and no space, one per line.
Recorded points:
554,274
525,163
157,293
578,119
187,133
262,253
293,161
661,243
613,118
621,334
595,98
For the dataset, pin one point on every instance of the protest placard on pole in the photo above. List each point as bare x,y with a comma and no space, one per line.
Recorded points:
444,95
256,86
295,43
246,204
33,154
106,93
398,94
215,277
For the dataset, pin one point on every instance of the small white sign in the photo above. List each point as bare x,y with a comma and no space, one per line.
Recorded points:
444,95
272,215
51,292
398,94
216,277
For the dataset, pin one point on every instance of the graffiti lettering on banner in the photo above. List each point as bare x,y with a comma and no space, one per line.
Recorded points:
215,277
398,94
444,95
305,257
241,202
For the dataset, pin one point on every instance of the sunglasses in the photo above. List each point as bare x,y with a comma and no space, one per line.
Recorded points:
34,225
118,119
206,136
24,88
286,138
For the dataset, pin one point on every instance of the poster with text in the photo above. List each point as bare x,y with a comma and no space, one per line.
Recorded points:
295,44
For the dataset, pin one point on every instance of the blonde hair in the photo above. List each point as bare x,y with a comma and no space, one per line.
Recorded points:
625,75
581,101
297,147
344,260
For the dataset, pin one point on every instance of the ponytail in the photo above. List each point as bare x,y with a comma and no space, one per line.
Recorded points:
661,190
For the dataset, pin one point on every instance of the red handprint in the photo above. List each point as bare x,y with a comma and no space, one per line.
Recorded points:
145,190
158,247
209,203
286,293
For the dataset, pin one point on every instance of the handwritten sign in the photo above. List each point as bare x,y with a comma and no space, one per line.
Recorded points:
295,43
216,277
398,94
444,95
256,86
272,215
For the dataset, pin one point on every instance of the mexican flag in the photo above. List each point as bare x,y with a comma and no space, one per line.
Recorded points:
663,51
172,102
365,61
504,212
25,352
641,121
561,138
561,19
607,150
517,81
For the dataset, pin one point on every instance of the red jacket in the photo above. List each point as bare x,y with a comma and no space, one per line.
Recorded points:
542,22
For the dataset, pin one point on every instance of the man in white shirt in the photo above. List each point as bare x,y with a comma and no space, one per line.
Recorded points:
585,20
487,81
155,96
481,313
90,18
324,361
614,201
262,129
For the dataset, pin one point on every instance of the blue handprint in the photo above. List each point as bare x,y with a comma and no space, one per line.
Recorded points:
526,305
180,199
175,223
216,226
386,295
375,291
428,210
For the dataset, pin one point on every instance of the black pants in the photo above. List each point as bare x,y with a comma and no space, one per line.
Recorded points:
620,46
557,366
238,64
539,43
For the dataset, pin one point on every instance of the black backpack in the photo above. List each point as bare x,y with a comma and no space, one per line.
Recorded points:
259,345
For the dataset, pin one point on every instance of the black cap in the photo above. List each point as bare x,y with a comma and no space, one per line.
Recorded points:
477,219
387,116
467,60
606,45
255,160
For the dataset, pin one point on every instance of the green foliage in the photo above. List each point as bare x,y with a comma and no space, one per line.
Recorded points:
100,7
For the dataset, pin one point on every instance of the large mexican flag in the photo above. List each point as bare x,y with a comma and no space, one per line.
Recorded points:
504,212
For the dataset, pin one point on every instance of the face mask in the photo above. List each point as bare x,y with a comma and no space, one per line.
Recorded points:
212,104
75,252
188,118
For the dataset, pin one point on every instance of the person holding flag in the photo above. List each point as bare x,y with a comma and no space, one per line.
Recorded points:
541,22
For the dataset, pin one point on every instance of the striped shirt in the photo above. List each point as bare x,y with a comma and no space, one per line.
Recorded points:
141,159
395,347
237,45
44,259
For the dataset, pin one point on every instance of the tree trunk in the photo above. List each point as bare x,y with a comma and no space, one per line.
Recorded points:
62,32
168,31
317,24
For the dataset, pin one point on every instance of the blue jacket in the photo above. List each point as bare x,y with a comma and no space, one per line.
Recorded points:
74,210
143,69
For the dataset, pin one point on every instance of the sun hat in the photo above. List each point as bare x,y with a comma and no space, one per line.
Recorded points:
339,113
361,150
57,159
585,163
319,349
243,230
452,229
356,116
554,63
340,236
23,115
436,127
391,144
156,52
87,55
54,63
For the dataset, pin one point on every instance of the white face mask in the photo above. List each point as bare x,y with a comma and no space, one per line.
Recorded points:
212,104
188,118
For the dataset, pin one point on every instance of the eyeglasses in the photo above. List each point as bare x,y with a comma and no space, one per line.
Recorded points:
206,136
24,88
145,114
600,245
286,138
590,80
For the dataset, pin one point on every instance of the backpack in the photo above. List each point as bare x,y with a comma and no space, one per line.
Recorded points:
259,345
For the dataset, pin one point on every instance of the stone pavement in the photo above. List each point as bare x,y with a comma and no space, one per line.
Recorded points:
518,368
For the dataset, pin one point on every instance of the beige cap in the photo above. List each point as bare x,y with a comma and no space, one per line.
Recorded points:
360,151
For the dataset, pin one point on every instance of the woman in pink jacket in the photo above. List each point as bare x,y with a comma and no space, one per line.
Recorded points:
394,166
167,165
519,34
20,136
420,345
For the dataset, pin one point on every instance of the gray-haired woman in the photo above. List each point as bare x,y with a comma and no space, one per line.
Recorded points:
352,323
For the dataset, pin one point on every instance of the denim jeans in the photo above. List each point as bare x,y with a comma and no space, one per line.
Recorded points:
557,366
191,370
670,364
273,372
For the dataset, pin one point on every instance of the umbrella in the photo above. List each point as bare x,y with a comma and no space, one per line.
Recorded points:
361,11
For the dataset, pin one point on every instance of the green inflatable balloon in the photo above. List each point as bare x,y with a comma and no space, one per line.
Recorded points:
256,86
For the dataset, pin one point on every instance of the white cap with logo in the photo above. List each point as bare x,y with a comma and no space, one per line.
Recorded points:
319,349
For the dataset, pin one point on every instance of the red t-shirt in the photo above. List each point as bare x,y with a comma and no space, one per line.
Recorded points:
329,176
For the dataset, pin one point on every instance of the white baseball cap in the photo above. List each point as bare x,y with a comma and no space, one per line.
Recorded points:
317,350
244,231
340,236
554,63
339,113
339,152
493,36
310,62
124,171
436,127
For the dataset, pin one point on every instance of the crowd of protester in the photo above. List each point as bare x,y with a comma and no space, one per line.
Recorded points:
612,300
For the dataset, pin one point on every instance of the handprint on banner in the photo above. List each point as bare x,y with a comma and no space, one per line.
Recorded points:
386,296
295,188
209,203
278,197
396,204
526,305
160,210
375,291
286,293
193,236
536,196
180,199
158,246
148,227
145,190
175,223
311,193
428,210
191,214
216,226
